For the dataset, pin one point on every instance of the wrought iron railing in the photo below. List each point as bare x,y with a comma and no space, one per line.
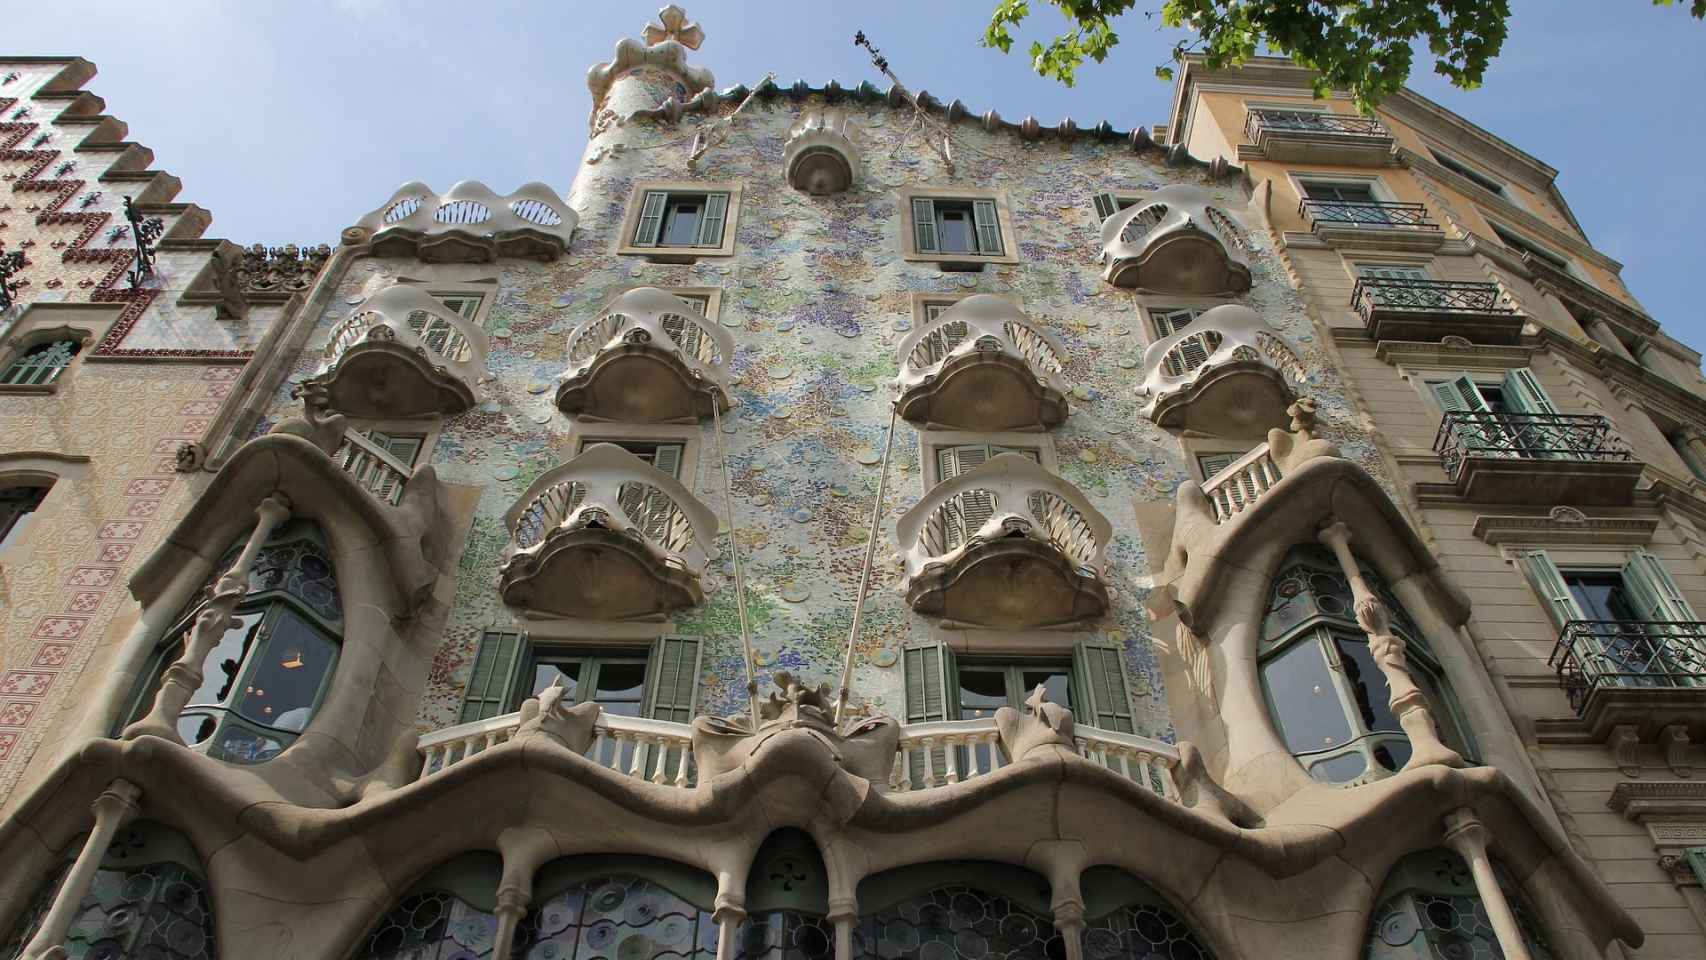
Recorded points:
1311,121
1367,213
1593,655
1426,296
1467,435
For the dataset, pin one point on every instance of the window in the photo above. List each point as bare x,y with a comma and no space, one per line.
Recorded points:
465,305
1391,271
665,456
698,301
966,513
957,227
1510,418
18,504
660,683
1170,320
404,447
1210,464
1108,204
40,365
268,674
1520,245
1342,192
1327,696
1624,626
1469,173
1091,682
379,461
986,686
674,218
1429,909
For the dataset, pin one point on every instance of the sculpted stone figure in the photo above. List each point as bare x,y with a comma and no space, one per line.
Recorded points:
571,726
863,746
1043,726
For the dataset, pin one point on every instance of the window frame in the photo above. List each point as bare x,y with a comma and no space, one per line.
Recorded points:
585,432
1470,172
1004,223
626,244
931,441
16,526
42,323
567,640
533,655
1013,669
1121,199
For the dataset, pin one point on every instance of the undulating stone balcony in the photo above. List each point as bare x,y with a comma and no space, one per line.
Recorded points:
470,224
821,158
372,468
1643,675
649,358
982,365
606,536
1313,136
402,354
1541,459
1429,310
1176,241
1006,544
1228,373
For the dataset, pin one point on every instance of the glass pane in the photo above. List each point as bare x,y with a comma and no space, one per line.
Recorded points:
983,690
290,668
954,231
219,671
1056,680
547,673
197,727
239,744
1340,769
621,685
1303,699
681,224
1368,685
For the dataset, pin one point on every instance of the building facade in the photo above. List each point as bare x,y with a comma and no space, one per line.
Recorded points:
846,525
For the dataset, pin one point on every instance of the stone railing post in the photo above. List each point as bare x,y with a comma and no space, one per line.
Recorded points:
1408,703
184,677
1466,835
115,807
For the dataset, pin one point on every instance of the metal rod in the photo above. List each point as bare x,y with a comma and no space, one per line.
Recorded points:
865,574
734,552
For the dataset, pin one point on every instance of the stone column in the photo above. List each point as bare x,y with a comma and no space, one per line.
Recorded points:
184,677
1407,703
1466,835
1069,923
513,902
115,807
1606,337
844,913
729,913
1693,450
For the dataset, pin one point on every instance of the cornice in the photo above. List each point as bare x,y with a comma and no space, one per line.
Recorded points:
1652,389
1482,197
1564,528
1404,353
1642,800
1590,297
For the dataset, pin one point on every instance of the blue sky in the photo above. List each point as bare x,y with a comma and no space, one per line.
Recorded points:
289,121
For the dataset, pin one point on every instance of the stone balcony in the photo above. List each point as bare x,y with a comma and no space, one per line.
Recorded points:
649,358
1429,310
821,158
1639,676
470,224
372,468
1313,136
402,354
1541,459
1227,374
1007,544
606,536
1176,241
982,365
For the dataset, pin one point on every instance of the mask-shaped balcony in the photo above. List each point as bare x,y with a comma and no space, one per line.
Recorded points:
1227,373
820,158
470,224
649,358
402,354
606,536
982,365
1006,544
1176,241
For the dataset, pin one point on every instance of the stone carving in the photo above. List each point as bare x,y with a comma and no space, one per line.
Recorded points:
1199,790
1044,726
863,746
1291,450
1191,649
1674,740
654,68
1567,515
572,726
673,25
191,457
317,425
1623,741
283,269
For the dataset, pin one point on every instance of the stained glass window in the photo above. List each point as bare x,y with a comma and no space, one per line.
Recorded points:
41,364
1429,910
433,925
1145,930
957,921
626,917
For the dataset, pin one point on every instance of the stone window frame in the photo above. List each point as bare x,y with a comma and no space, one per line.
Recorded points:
920,302
487,293
41,323
689,435
1425,262
1004,221
929,440
1149,303
1376,184
49,470
665,254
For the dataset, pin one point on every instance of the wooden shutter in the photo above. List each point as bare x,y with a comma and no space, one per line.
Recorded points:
711,225
1697,862
1650,585
1213,463
972,509
651,219
667,458
1460,394
1387,271
1101,699
1523,391
1169,322
924,225
1551,586
495,667
932,693
672,681
988,227
1106,206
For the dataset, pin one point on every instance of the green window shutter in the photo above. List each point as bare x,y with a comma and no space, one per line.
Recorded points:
1650,585
1386,271
1460,394
1101,699
668,459
495,666
1697,861
1169,322
711,225
672,684
988,227
1213,463
1550,584
1523,391
924,225
930,680
1106,206
972,509
651,219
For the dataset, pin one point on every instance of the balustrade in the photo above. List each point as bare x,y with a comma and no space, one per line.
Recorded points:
469,223
649,358
372,467
1227,373
1237,487
1176,241
982,365
401,353
1404,308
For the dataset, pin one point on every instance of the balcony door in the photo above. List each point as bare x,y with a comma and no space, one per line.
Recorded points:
1345,202
1514,418
965,514
1628,627
1413,289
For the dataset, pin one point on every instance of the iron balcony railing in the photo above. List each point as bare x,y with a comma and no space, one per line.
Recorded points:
1426,296
1594,655
1467,435
1367,213
1311,121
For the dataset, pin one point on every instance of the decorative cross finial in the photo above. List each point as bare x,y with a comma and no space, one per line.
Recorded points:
675,27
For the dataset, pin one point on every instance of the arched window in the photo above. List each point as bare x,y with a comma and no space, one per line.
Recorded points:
1428,910
449,913
268,674
148,900
41,364
1326,694
1126,920
18,501
787,898
936,911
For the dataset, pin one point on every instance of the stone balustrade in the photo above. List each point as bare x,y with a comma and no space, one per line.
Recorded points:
372,467
468,224
982,365
1227,373
401,353
649,358
1243,481
1176,241
657,751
